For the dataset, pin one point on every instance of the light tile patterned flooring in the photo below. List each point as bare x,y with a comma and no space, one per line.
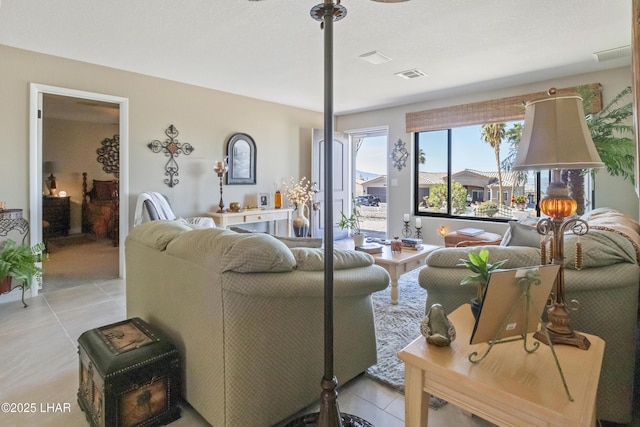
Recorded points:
39,363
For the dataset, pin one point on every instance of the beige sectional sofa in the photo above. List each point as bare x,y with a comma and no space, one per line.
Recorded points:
246,313
606,289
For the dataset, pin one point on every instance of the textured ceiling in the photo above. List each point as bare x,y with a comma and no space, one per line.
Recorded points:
273,49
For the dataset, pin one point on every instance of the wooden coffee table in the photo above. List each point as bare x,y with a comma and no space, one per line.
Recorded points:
509,387
400,263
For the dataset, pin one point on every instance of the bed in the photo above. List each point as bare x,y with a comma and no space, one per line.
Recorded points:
100,209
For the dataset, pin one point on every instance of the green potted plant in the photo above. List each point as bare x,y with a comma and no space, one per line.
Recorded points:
479,265
351,223
21,262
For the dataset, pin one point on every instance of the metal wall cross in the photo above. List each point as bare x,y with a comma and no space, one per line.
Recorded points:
171,148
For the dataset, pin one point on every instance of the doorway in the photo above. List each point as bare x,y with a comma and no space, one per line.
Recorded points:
370,158
67,128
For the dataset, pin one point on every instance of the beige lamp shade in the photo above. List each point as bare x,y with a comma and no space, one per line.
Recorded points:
556,136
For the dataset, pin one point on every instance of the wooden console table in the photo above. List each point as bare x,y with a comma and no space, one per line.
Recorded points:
255,215
510,387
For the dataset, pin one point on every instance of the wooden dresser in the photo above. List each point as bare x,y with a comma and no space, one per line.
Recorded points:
57,212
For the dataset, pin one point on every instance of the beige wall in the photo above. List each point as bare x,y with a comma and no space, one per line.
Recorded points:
205,118
610,191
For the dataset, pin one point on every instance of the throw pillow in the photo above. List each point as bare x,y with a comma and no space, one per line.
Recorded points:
521,235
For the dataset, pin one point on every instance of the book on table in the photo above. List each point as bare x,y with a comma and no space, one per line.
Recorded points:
470,231
370,248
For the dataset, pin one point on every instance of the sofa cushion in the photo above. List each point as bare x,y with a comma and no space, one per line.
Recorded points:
158,234
254,253
301,242
291,242
312,259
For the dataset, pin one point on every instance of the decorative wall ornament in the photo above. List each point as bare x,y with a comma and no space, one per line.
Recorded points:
399,155
171,148
241,151
109,155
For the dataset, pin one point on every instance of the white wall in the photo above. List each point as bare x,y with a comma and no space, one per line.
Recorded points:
610,191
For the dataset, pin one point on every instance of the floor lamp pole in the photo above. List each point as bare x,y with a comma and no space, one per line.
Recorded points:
329,414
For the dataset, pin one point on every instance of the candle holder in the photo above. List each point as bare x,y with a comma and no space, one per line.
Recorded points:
418,232
220,169
406,230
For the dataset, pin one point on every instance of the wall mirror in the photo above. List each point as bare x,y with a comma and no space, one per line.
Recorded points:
241,150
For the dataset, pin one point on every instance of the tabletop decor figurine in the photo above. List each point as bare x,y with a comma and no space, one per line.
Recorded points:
437,328
396,245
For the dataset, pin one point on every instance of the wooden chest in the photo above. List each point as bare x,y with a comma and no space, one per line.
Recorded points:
130,375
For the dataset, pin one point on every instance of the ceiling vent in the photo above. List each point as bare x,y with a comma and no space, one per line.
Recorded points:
609,54
411,74
374,57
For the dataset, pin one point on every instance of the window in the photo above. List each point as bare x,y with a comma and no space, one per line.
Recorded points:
461,175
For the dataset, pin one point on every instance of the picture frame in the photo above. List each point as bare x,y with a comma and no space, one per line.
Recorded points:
264,200
241,152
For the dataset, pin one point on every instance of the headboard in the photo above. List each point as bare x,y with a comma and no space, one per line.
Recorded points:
100,208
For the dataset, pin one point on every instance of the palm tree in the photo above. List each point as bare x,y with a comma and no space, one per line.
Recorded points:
422,158
514,135
493,133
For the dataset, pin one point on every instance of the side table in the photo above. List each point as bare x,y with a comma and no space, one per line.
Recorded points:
509,387
12,220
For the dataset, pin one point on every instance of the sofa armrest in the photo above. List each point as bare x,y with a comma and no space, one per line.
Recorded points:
516,256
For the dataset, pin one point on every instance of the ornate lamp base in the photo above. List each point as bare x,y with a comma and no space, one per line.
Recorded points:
311,420
574,339
559,329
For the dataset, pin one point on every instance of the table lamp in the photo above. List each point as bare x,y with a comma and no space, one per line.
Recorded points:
556,137
51,168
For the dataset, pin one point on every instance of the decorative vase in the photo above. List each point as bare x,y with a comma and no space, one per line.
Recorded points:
358,239
301,222
278,200
5,285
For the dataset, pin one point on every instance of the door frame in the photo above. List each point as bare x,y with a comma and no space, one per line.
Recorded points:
35,161
366,133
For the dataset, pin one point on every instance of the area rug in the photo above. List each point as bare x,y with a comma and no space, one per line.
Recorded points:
396,326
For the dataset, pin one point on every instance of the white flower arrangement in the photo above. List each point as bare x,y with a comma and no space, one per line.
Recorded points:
298,193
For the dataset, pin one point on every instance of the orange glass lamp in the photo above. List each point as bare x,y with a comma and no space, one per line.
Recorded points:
556,137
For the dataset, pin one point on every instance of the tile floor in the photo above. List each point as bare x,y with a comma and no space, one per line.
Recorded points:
39,363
